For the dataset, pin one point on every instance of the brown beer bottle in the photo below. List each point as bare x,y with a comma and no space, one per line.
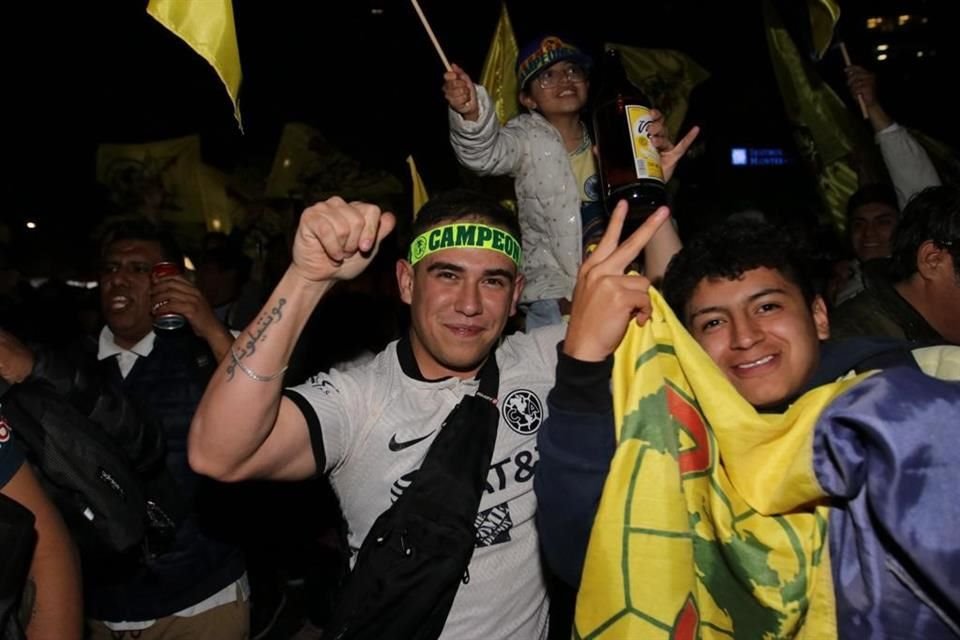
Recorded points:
629,164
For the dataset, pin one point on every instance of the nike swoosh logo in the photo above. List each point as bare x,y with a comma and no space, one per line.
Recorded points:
396,445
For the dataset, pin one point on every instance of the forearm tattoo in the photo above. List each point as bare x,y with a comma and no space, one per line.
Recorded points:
256,336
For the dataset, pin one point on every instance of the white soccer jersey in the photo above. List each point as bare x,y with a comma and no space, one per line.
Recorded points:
376,423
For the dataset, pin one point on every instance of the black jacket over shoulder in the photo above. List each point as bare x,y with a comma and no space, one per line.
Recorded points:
148,414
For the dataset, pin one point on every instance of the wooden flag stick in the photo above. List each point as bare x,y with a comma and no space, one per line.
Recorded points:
433,38
846,61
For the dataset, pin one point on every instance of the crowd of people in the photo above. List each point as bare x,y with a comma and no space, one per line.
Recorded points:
469,442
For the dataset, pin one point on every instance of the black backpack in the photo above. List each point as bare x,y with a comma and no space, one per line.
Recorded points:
106,501
415,556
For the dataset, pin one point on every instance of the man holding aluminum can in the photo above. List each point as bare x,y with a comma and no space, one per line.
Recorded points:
160,345
142,288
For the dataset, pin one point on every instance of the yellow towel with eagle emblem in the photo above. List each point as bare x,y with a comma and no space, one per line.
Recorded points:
711,523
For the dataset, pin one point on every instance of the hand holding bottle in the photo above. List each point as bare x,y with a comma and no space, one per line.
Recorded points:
628,161
670,153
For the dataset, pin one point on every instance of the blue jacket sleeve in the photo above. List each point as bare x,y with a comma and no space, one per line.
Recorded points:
576,444
886,451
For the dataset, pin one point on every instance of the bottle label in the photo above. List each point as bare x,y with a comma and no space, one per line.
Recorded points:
646,158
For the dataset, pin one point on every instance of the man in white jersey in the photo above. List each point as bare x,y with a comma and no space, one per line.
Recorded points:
370,427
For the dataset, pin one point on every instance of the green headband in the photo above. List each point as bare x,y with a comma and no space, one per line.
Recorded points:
471,235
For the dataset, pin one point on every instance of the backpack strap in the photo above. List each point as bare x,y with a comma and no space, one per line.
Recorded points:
415,555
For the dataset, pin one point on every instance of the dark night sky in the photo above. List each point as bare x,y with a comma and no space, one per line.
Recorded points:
371,83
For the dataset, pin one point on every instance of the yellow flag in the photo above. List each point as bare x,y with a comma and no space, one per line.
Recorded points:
499,75
307,167
207,26
420,195
824,129
163,181
166,182
667,77
220,208
823,18
156,179
712,523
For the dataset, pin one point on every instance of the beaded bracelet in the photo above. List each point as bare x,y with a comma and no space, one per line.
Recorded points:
252,374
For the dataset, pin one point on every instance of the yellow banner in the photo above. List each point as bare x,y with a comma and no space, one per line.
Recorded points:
307,167
667,77
707,526
824,129
167,182
824,15
417,188
499,75
207,27
221,210
159,180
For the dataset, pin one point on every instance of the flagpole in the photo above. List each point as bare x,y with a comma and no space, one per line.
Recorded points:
433,38
846,61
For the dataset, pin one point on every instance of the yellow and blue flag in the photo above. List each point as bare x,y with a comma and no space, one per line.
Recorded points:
712,523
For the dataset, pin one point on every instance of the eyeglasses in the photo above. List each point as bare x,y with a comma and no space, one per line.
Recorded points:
552,77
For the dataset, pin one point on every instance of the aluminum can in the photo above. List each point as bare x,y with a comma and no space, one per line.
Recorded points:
167,321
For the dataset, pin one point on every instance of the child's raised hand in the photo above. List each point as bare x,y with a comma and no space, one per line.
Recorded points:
460,92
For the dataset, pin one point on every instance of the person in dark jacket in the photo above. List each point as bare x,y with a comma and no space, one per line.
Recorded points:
916,294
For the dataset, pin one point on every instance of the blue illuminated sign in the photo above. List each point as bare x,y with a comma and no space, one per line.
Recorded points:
757,157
